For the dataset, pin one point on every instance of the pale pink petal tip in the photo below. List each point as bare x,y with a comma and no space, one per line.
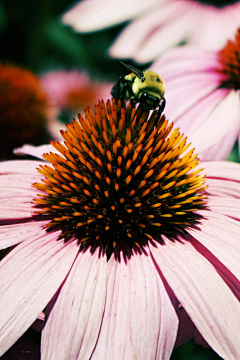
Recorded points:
93,15
36,151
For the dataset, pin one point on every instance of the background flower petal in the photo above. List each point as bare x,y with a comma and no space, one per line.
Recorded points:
84,17
223,147
141,29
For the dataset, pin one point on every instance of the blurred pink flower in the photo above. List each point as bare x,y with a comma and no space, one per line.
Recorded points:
70,92
157,25
109,294
203,96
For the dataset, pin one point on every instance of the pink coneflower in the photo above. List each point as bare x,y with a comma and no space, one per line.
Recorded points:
70,92
158,25
203,95
117,231
24,109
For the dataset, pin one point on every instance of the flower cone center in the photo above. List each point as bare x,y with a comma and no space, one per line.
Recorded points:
122,177
229,58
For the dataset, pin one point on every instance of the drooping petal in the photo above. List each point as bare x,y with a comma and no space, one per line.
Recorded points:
225,206
221,149
197,111
222,169
186,328
217,125
30,275
183,108
15,233
35,151
204,295
230,189
114,338
139,320
220,234
18,167
189,61
72,326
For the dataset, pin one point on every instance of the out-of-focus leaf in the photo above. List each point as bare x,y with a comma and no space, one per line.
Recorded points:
190,351
234,156
69,43
3,17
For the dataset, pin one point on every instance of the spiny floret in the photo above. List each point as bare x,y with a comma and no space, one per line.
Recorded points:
121,176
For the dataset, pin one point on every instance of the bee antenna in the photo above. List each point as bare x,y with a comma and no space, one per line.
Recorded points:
133,69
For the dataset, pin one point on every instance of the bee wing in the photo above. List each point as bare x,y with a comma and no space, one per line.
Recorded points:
137,72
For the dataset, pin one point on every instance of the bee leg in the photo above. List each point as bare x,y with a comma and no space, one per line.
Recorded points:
162,105
160,109
120,89
133,101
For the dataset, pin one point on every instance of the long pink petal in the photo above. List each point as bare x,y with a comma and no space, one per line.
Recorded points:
201,86
216,126
36,151
220,235
204,295
223,147
185,60
158,315
227,189
139,320
15,233
95,14
30,275
72,326
114,339
229,207
222,169
191,117
20,167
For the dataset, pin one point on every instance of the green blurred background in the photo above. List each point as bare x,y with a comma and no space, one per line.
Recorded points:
32,36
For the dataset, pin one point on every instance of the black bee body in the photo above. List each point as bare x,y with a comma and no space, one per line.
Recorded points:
144,87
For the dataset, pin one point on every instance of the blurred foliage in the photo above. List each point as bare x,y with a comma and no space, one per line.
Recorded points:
35,38
234,156
190,351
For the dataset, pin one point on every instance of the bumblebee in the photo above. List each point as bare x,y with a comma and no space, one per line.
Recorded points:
144,87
